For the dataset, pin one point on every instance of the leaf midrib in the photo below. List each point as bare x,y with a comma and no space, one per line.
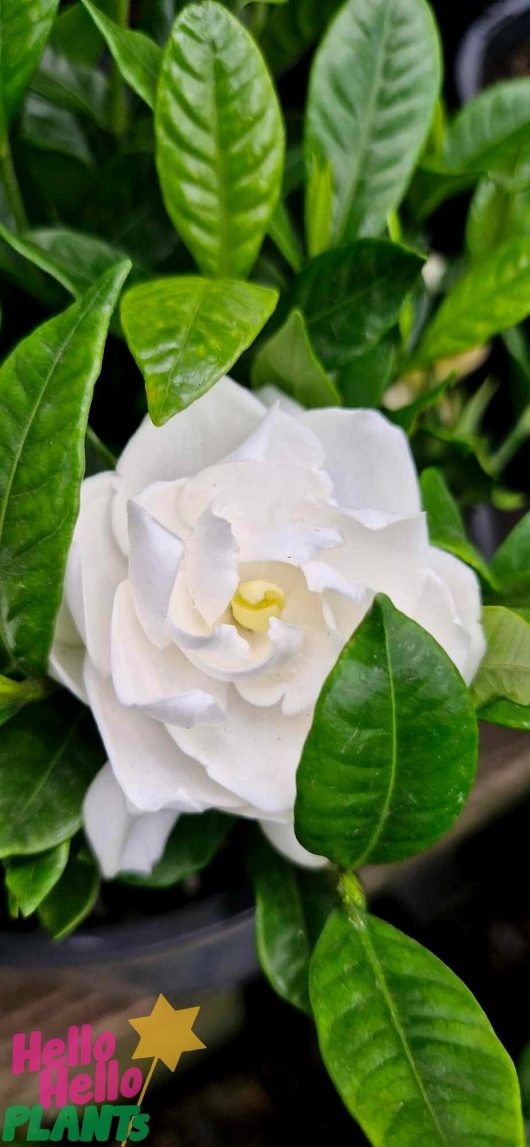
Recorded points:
380,824
56,757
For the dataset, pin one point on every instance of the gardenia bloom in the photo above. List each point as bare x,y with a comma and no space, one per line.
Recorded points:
212,582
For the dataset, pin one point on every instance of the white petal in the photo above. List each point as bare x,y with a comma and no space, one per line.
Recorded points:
123,842
464,586
270,396
436,612
95,569
195,438
145,759
369,460
222,660
384,559
279,438
290,542
159,682
253,496
155,556
282,836
66,666
212,565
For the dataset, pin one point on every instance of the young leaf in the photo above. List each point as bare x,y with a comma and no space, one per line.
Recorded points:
30,879
220,140
505,670
391,755
73,897
137,57
288,361
352,296
491,134
74,260
513,556
282,233
24,28
318,205
372,94
186,333
493,295
190,848
15,694
406,1044
496,216
292,905
446,528
57,754
45,392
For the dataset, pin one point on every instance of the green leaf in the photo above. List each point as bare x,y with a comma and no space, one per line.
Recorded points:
190,848
51,128
15,694
446,527
282,233
137,57
506,713
287,360
491,134
408,417
57,753
73,897
363,381
72,86
24,28
504,672
319,205
30,879
493,295
352,296
45,392
513,557
220,140
74,260
406,1044
292,29
186,333
292,905
372,94
391,754
495,217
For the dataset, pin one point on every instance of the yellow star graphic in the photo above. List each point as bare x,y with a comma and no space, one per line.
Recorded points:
166,1033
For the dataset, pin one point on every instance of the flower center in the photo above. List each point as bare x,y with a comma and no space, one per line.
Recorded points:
255,602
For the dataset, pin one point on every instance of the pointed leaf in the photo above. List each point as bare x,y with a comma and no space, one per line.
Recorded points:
45,393
24,28
391,754
409,1049
186,333
137,57
220,140
319,205
513,557
372,94
507,714
73,897
446,527
74,260
30,879
288,361
505,670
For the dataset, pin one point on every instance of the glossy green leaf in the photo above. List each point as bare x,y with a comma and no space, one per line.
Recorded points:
391,754
283,234
513,557
292,905
507,714
287,360
137,57
446,527
24,29
190,848
57,753
75,260
495,217
491,134
29,879
504,672
72,86
186,333
351,297
220,140
363,381
45,392
291,30
73,897
409,1049
493,295
319,205
372,94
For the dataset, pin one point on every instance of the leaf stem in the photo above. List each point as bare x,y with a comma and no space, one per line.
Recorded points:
12,186
352,893
117,100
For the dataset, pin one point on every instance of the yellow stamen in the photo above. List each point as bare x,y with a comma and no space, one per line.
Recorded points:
255,602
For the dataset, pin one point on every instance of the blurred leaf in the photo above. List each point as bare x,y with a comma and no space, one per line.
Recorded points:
75,35
30,879
408,416
186,333
124,207
57,753
507,714
282,233
513,557
190,848
406,1044
446,527
292,29
45,389
73,897
72,86
504,673
75,260
220,140
493,295
363,381
137,57
430,187
377,780
318,205
24,28
491,134
292,905
287,360
15,694
352,296
372,93
54,129
98,457
496,216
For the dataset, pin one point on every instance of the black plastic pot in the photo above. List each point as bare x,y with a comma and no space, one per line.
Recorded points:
496,47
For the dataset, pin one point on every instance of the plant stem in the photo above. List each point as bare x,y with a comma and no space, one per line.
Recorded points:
11,184
117,101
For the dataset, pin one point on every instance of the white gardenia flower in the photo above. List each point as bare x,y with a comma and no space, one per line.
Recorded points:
212,582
